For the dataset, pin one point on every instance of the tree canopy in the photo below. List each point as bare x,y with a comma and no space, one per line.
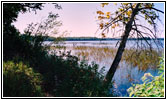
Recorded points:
145,13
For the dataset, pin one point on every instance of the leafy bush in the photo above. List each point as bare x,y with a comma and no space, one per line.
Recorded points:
19,80
152,86
79,79
64,75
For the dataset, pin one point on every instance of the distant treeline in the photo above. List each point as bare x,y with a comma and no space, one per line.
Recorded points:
94,38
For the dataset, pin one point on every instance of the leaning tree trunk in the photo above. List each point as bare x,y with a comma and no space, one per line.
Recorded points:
121,48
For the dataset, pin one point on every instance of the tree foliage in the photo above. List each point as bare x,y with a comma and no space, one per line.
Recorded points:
11,10
18,46
10,13
122,15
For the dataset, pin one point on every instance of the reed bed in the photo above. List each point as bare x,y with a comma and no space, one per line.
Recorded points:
143,59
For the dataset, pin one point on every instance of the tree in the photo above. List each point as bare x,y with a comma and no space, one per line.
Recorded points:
11,10
12,43
129,15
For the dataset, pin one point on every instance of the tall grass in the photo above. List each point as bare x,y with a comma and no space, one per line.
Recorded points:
140,58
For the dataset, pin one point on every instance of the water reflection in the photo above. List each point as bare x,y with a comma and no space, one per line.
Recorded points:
126,75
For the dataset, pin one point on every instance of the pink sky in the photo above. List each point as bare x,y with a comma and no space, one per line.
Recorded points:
79,19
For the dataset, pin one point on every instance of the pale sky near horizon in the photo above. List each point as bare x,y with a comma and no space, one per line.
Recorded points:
79,19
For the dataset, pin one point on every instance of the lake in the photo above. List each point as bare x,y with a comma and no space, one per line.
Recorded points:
130,69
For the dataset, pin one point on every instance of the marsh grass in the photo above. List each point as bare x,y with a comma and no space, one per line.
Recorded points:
143,59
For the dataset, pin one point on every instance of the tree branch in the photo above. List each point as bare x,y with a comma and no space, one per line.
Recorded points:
152,8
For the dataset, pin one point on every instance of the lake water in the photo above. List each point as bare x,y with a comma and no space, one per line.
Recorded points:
126,74
111,43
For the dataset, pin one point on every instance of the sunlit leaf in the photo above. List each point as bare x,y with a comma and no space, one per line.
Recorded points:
108,13
100,12
125,4
103,4
100,17
108,17
103,35
115,3
107,23
134,5
101,26
129,13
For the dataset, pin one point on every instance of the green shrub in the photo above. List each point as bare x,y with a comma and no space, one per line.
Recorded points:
66,76
19,80
152,86
80,79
